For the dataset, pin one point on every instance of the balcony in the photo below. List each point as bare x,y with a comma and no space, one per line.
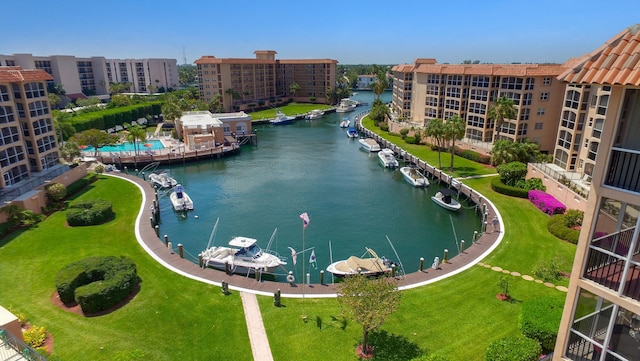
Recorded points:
607,263
624,170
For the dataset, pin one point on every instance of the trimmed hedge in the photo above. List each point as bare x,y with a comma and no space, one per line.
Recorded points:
540,320
89,213
513,349
474,156
109,118
97,283
80,184
498,186
558,227
546,202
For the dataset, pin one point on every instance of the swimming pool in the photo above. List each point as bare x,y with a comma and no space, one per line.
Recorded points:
128,147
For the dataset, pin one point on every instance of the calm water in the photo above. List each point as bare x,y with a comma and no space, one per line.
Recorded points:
128,146
311,166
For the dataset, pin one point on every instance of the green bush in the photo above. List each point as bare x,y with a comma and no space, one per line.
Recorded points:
34,336
513,349
512,172
573,218
384,126
498,186
81,183
540,320
412,140
474,156
531,184
404,132
558,227
89,213
547,270
97,283
55,192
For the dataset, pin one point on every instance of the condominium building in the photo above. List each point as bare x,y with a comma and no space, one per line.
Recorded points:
27,138
91,76
427,90
601,319
243,84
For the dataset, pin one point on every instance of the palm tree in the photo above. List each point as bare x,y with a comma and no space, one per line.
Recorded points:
502,109
294,88
504,151
379,85
435,130
454,128
136,133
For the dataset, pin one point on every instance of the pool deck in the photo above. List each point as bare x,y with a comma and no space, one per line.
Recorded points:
155,247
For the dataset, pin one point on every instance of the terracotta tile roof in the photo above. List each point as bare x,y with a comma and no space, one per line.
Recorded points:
208,59
403,68
307,61
492,69
15,74
615,62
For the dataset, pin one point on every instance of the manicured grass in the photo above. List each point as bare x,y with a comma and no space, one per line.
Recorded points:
171,317
289,109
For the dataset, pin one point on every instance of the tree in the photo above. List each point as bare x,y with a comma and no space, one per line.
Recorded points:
120,100
136,133
380,85
379,112
187,74
294,88
54,99
14,214
454,129
56,192
234,94
370,301
69,150
435,130
95,138
502,109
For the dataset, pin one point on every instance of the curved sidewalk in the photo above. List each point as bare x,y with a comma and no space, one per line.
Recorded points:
155,247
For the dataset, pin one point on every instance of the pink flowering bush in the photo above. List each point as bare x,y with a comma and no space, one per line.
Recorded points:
546,202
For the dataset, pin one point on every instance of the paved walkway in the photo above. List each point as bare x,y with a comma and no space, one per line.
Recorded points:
257,334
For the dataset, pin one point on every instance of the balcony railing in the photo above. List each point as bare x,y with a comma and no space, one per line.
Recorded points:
624,170
12,348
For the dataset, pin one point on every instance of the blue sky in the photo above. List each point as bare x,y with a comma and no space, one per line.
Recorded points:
350,31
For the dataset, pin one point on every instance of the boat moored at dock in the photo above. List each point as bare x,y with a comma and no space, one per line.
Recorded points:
369,144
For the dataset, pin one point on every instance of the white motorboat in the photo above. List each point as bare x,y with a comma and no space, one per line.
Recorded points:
388,158
281,118
314,114
369,145
162,180
346,105
444,200
242,256
352,132
370,266
414,177
180,199
345,122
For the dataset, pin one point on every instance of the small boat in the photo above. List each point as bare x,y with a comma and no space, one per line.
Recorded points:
370,266
352,132
180,199
369,145
281,118
346,105
242,256
345,122
387,158
162,180
444,200
314,114
414,177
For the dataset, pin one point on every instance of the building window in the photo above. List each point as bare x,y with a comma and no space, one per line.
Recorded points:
475,121
522,129
34,90
602,104
568,119
515,97
564,139
538,126
544,96
480,81
38,108
15,174
9,135
477,108
511,83
42,126
11,155
524,114
529,84
540,111
479,94
572,99
527,98
546,80
4,93
6,114
597,128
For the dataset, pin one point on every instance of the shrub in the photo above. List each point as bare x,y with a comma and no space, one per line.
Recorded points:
531,183
540,320
412,140
557,226
56,192
546,202
34,336
89,213
99,169
513,349
404,132
573,218
81,183
548,271
384,126
474,156
97,283
512,172
498,186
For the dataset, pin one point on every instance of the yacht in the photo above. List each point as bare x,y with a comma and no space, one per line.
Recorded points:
346,105
180,199
387,158
414,177
369,145
281,118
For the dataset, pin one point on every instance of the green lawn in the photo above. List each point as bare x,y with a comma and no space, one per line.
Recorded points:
173,317
289,109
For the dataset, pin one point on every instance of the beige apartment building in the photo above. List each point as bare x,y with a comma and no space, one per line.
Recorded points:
244,84
427,90
28,145
91,76
601,319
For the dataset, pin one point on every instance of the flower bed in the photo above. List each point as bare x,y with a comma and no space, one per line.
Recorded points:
546,202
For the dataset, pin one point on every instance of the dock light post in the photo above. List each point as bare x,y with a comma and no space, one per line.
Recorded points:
151,221
462,246
393,270
143,177
276,298
166,239
421,263
322,277
157,228
446,253
484,227
180,251
308,278
170,246
475,236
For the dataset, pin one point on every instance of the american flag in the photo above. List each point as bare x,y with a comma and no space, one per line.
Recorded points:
305,219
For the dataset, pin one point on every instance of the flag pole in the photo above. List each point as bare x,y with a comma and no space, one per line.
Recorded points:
304,314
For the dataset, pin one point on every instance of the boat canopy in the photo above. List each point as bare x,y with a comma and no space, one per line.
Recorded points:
365,264
243,242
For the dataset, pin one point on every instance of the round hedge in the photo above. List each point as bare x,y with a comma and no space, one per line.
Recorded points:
514,349
540,320
498,186
89,213
557,226
97,283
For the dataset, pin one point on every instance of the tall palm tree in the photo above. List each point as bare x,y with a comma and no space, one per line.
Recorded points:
294,88
502,109
137,133
454,129
435,130
379,85
504,151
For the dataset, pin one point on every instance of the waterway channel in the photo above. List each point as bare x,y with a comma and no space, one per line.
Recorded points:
313,167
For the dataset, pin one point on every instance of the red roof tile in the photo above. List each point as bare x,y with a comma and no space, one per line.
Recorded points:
615,62
15,74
